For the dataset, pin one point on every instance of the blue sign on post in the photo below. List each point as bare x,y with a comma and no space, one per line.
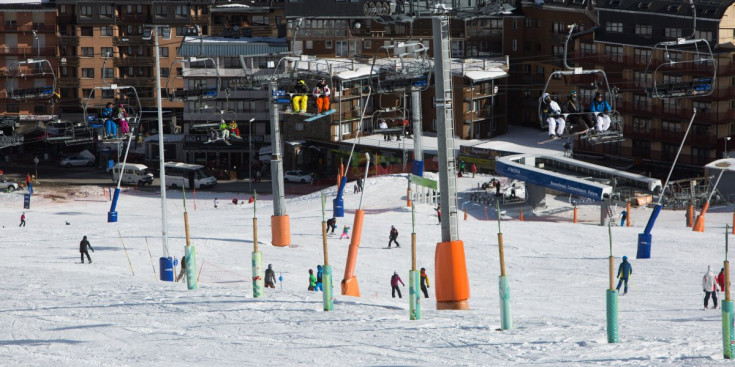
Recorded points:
26,201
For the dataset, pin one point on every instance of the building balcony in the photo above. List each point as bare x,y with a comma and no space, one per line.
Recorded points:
40,28
134,18
29,52
66,19
69,82
148,82
631,133
72,41
131,40
134,61
70,61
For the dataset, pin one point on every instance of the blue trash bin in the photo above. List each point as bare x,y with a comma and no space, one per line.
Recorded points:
417,168
339,207
167,269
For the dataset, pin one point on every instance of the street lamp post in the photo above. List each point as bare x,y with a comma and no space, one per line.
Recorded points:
165,259
250,154
727,138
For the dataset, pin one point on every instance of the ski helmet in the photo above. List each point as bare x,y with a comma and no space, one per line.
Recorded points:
625,258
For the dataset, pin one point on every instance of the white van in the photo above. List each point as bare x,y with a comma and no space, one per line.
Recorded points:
188,175
135,174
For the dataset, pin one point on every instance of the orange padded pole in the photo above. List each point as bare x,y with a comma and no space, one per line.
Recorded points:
699,224
451,282
521,216
281,230
575,214
627,217
349,283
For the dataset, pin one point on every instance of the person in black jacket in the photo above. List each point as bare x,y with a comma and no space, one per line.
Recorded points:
83,249
182,272
331,223
270,277
393,236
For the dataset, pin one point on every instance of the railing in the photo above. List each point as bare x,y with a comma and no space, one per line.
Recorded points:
68,41
43,28
135,18
134,61
27,52
629,132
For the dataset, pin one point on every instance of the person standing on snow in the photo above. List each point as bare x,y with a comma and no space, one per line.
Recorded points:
331,223
22,220
625,270
318,286
710,287
474,170
312,280
345,232
270,277
438,213
83,249
424,283
393,236
394,284
721,279
551,112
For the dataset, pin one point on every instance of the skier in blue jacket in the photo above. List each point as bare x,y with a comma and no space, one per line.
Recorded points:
602,108
318,286
625,270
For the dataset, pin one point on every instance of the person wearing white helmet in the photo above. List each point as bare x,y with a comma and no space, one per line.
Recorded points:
552,114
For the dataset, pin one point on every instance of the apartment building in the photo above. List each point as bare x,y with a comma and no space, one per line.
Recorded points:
28,65
625,43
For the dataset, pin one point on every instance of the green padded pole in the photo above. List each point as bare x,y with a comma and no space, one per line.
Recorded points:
612,316
191,267
506,321
728,338
257,267
327,285
414,295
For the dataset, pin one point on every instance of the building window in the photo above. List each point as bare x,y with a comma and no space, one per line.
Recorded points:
85,11
106,52
163,51
614,53
161,11
641,125
135,9
457,49
528,23
328,44
88,93
526,69
87,73
87,51
514,47
87,31
614,27
702,106
165,72
182,11
108,93
309,44
368,44
260,20
105,11
108,73
558,50
558,27
62,9
672,32
340,48
106,30
642,80
673,127
644,30
180,31
14,107
641,55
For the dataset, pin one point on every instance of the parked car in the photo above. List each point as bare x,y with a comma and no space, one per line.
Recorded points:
76,160
6,185
297,176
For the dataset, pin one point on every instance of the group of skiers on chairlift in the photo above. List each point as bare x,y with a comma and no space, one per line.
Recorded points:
114,116
321,93
599,110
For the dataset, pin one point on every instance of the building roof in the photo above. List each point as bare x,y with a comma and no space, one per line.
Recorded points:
706,9
221,46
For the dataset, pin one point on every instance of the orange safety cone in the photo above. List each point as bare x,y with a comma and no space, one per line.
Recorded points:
521,216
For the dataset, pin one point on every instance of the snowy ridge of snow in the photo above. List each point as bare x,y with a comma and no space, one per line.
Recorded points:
58,312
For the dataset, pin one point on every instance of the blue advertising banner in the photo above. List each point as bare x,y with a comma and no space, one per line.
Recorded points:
550,180
26,201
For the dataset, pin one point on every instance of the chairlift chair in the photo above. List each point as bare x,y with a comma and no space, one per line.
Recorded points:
203,89
405,63
695,63
31,68
126,95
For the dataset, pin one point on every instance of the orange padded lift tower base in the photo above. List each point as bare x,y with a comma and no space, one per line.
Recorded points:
349,283
450,281
280,230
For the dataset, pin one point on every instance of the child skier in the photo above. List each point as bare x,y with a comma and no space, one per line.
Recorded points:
345,232
312,280
22,220
182,272
83,249
331,223
394,284
424,282
270,277
624,273
393,236
318,286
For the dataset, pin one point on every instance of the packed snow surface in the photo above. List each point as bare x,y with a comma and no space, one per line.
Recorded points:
56,311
